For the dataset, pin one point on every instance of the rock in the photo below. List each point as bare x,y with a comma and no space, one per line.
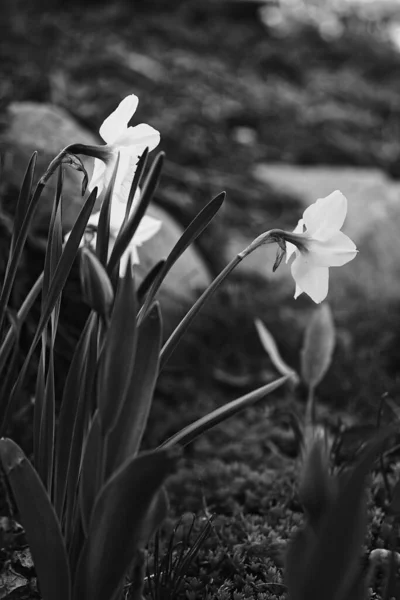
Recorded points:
373,222
47,129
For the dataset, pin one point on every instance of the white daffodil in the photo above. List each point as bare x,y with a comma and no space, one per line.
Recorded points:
319,244
128,142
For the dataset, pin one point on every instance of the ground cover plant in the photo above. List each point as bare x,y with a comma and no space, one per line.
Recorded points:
257,502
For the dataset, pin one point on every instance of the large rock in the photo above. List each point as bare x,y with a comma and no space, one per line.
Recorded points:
49,129
46,129
373,222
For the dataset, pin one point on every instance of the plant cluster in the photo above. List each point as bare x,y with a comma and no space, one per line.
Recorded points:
92,498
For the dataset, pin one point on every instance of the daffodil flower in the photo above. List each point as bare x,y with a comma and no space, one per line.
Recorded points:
128,142
318,244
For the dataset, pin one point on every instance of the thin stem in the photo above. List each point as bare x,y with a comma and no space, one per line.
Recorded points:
274,235
310,408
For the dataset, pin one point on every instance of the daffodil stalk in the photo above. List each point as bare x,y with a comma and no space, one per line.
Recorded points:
269,237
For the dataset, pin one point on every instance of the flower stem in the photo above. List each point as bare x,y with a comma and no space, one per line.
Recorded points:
274,235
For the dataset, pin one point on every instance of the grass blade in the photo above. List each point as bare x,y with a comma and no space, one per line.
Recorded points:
39,521
192,431
116,524
195,228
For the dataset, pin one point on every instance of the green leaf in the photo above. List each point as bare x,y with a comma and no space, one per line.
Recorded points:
116,526
39,521
23,200
89,479
194,229
128,230
44,417
317,488
26,306
155,516
148,280
141,165
56,287
272,350
96,286
84,412
72,418
8,375
318,346
20,234
125,438
103,228
118,353
192,431
326,564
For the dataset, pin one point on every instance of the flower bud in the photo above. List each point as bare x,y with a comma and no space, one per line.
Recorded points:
97,290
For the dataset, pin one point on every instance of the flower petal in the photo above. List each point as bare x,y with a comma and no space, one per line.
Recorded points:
326,215
290,248
116,124
141,136
310,279
98,178
148,227
334,252
128,159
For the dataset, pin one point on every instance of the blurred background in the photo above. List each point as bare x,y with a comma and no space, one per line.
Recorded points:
278,102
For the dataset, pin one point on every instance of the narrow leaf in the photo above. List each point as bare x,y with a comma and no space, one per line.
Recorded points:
77,380
90,468
56,286
103,228
141,165
39,521
125,439
194,229
23,199
96,286
318,346
330,559
26,306
128,230
271,349
148,280
118,353
116,525
191,432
